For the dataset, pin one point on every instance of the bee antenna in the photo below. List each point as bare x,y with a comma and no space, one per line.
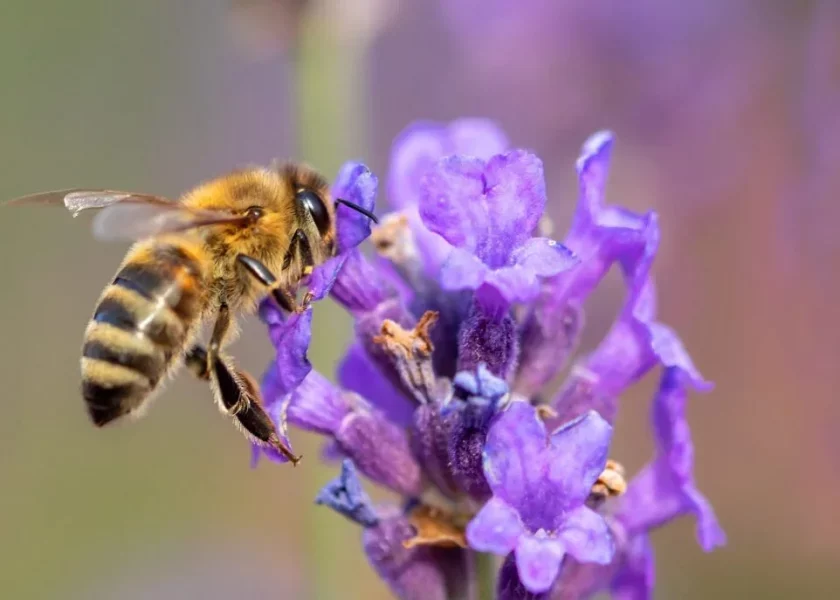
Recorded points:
358,209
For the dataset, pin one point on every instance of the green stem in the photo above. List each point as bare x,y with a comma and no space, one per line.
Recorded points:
329,111
485,575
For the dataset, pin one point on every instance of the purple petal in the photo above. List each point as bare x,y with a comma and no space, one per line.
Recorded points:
593,168
317,405
496,528
345,495
621,359
597,249
634,345
581,580
488,209
601,234
550,335
630,574
325,276
360,286
543,477
586,536
538,561
378,447
519,281
671,353
452,202
411,573
355,183
432,249
509,586
381,451
626,353
637,575
290,337
462,270
357,373
418,147
579,453
665,489
579,394
513,454
515,200
543,257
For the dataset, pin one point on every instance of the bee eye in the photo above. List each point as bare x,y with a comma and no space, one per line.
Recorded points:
254,212
313,203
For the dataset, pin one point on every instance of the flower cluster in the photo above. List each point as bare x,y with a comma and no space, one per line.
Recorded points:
462,317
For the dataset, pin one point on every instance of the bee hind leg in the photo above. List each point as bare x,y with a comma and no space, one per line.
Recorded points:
238,394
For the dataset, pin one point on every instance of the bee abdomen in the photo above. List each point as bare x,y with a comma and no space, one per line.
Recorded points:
140,325
111,390
165,274
110,344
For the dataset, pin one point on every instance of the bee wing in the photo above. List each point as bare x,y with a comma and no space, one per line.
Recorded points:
129,215
133,221
77,200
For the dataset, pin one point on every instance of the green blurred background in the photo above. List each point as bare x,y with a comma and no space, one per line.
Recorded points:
715,130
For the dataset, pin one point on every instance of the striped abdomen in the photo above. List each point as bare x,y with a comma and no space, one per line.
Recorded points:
141,325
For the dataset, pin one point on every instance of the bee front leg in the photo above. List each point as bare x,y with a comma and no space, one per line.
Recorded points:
300,244
237,392
286,301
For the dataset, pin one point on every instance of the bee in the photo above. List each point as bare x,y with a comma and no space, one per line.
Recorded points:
208,257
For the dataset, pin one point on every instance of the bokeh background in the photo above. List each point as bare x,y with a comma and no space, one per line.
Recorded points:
727,115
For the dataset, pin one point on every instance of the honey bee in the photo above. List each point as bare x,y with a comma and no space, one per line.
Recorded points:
210,256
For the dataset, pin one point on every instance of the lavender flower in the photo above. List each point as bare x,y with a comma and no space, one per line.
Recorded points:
540,484
460,321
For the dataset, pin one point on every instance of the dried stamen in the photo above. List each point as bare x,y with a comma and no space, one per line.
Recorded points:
545,412
411,354
435,527
393,240
610,483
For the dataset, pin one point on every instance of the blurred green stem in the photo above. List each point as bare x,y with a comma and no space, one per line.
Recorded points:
330,120
330,100
485,574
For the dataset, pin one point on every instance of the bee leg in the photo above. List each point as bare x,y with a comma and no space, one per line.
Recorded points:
300,243
196,362
298,237
286,301
231,395
237,392
220,329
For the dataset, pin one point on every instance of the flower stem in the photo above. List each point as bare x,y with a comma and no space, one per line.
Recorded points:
485,575
329,110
